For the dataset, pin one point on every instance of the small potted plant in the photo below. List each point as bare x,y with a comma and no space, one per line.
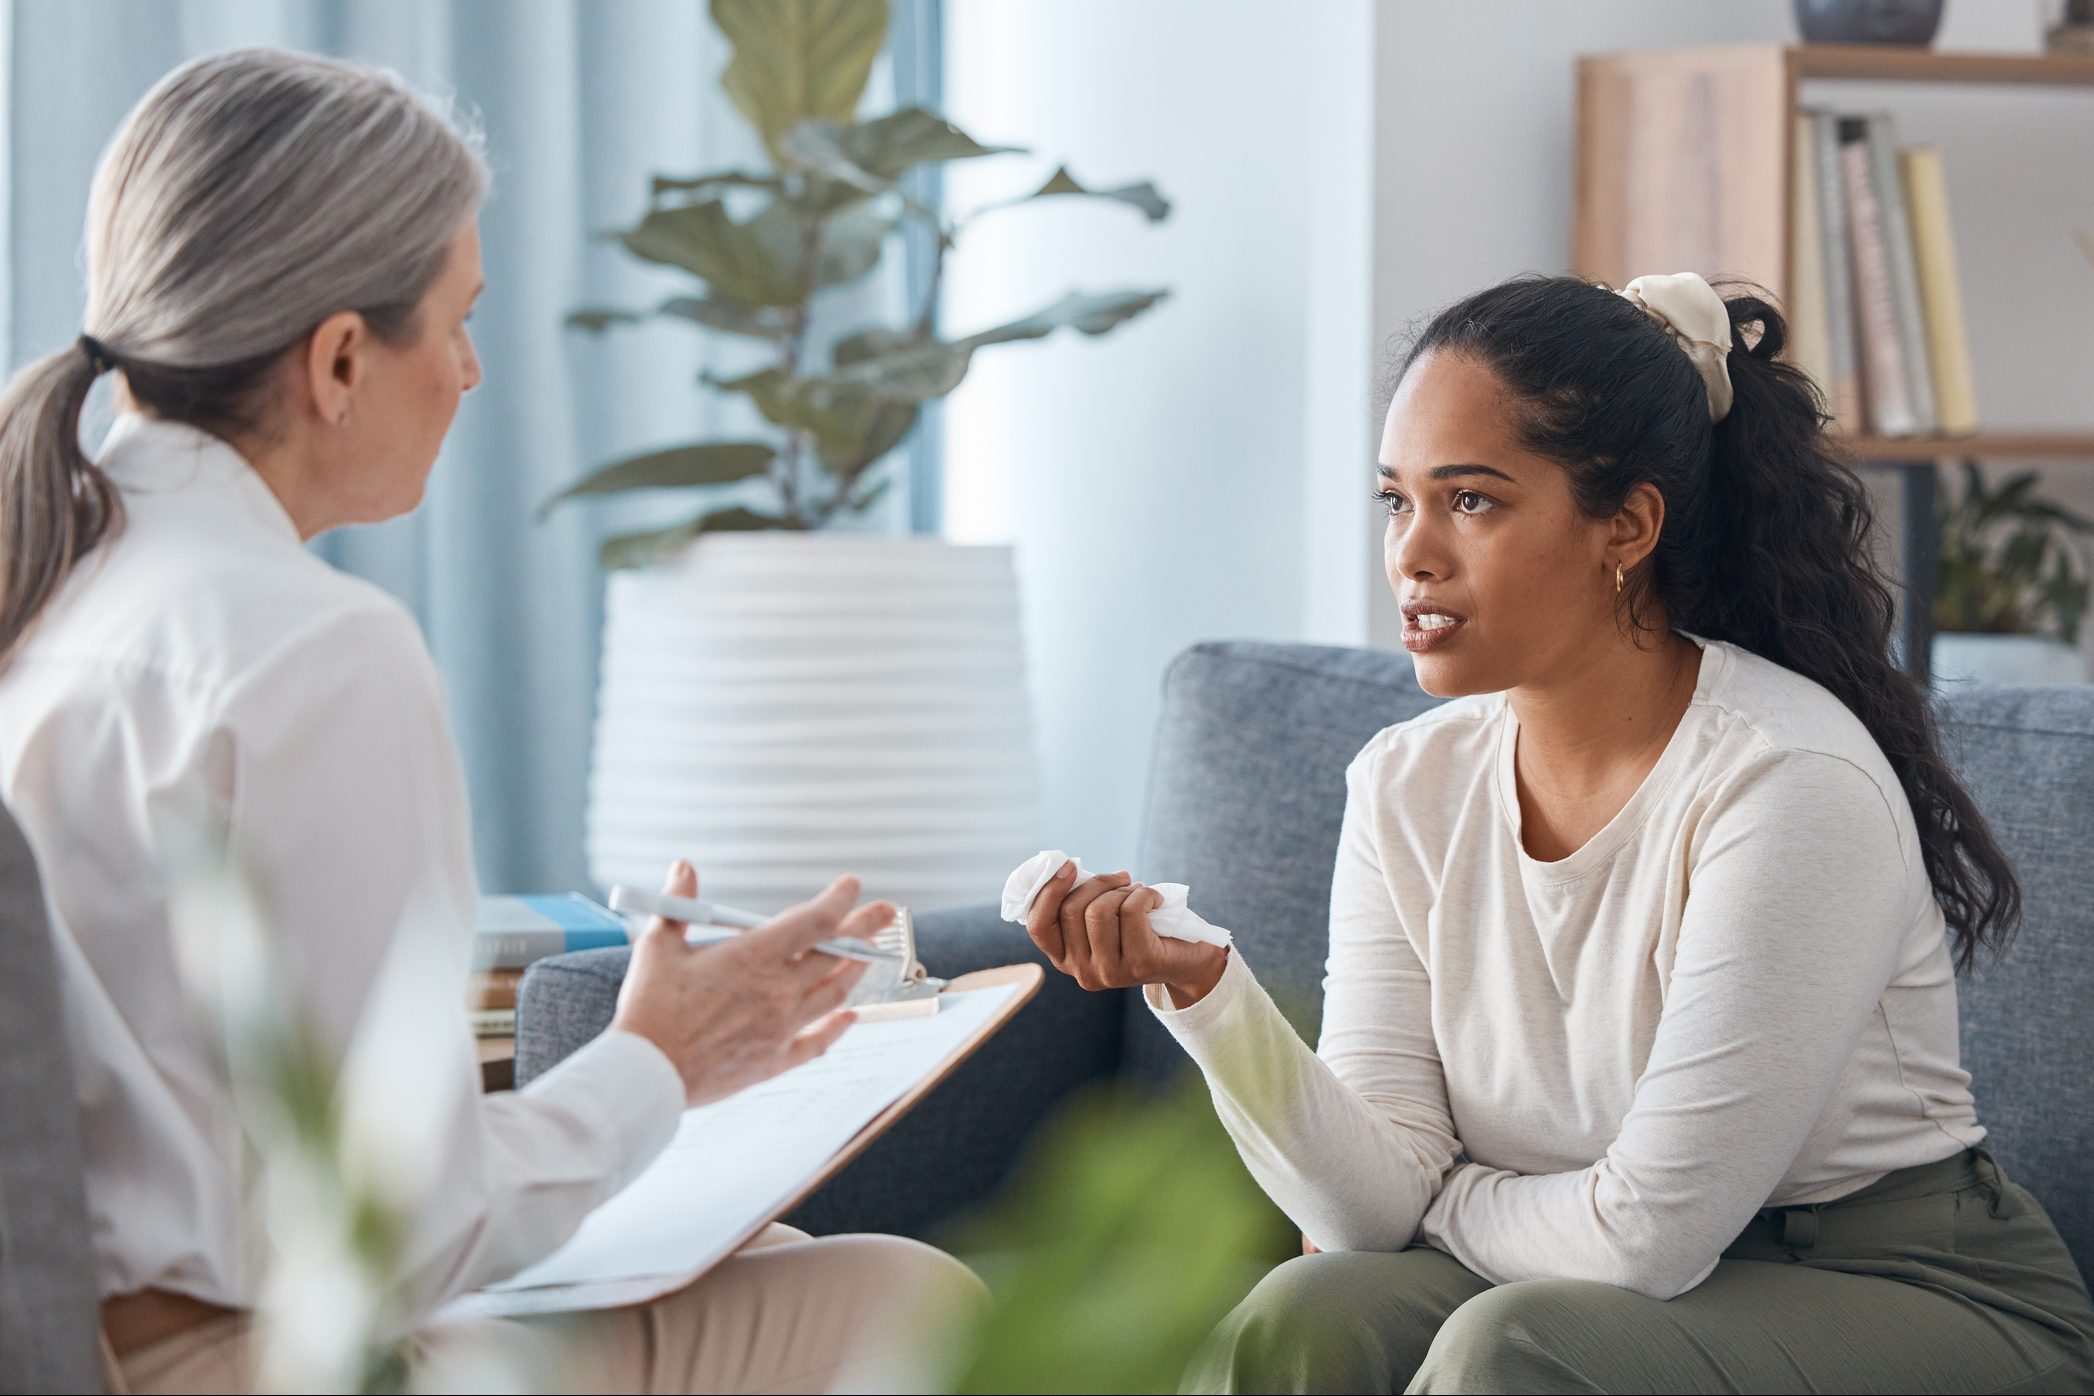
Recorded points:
2014,588
780,700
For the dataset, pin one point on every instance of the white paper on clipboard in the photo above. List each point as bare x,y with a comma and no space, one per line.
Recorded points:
733,1164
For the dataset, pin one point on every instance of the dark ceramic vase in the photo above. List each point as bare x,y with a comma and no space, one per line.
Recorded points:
1869,21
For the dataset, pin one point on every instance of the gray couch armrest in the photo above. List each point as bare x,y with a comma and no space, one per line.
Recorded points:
48,1285
955,1148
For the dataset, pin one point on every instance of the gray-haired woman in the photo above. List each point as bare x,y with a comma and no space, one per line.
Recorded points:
282,254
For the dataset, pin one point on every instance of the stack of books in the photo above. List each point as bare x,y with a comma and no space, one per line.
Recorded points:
1876,308
512,933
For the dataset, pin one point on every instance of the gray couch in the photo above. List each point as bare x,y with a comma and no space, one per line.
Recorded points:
1244,803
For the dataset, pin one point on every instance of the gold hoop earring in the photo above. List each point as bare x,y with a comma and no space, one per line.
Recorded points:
1618,583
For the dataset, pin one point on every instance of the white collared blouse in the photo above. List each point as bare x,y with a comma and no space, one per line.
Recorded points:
202,658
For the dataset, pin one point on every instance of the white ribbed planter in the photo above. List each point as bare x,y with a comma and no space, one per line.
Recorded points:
781,708
1959,657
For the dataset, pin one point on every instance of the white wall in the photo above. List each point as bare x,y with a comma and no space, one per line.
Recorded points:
1156,482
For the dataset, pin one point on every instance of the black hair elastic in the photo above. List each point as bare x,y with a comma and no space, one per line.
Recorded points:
98,356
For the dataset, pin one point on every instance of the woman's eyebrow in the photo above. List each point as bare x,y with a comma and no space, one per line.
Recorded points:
1451,472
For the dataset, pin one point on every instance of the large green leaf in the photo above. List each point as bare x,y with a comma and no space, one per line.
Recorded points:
870,343
872,155
1092,314
913,371
1144,196
661,544
851,425
719,312
755,262
762,261
600,318
889,146
865,429
799,60
710,463
715,312
705,184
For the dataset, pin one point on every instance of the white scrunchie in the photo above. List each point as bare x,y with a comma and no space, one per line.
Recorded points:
1691,311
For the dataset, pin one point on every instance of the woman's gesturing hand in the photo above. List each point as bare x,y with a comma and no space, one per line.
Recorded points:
731,1015
1099,935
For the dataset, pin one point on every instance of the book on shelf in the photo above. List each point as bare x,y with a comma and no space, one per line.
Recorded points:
493,988
1810,330
1874,300
493,1022
1843,391
1941,290
1886,388
1904,279
514,932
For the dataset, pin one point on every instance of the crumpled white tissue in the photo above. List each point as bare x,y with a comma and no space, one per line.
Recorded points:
1174,918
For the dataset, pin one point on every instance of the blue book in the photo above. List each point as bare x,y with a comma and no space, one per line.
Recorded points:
512,932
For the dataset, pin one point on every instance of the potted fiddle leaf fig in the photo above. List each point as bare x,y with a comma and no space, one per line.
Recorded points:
2013,592
781,699
818,220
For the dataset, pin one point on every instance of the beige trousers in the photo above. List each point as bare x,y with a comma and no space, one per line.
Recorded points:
787,1313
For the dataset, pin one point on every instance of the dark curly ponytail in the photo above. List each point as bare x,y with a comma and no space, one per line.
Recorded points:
1766,536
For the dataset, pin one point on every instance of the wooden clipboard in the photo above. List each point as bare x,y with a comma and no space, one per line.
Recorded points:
631,1292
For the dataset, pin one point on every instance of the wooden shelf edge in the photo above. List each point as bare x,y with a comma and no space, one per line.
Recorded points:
1897,63
1870,63
1991,445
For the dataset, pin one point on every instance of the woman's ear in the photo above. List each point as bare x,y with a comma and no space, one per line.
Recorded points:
1634,535
334,365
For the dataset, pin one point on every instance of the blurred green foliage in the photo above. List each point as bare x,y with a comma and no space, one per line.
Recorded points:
1131,1229
2010,561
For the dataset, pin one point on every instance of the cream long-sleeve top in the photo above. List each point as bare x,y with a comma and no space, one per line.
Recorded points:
1736,995
203,660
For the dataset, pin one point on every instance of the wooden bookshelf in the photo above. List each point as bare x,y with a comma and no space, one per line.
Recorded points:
1684,156
1683,160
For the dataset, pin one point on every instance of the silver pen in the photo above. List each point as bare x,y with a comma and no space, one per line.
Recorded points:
725,922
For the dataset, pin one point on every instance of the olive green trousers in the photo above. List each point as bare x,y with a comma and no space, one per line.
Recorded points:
1945,1277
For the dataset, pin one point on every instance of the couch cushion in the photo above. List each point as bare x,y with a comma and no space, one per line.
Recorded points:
1245,798
47,1278
2027,755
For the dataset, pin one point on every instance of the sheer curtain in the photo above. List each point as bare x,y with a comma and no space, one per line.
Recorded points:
581,103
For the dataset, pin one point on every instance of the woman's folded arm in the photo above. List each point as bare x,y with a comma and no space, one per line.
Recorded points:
1797,905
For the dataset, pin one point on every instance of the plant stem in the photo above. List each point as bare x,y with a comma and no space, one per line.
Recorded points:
795,351
927,314
788,480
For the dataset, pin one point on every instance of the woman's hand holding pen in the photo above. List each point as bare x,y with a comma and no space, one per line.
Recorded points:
1099,935
731,1015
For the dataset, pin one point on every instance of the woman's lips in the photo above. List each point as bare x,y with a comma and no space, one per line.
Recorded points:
1421,641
